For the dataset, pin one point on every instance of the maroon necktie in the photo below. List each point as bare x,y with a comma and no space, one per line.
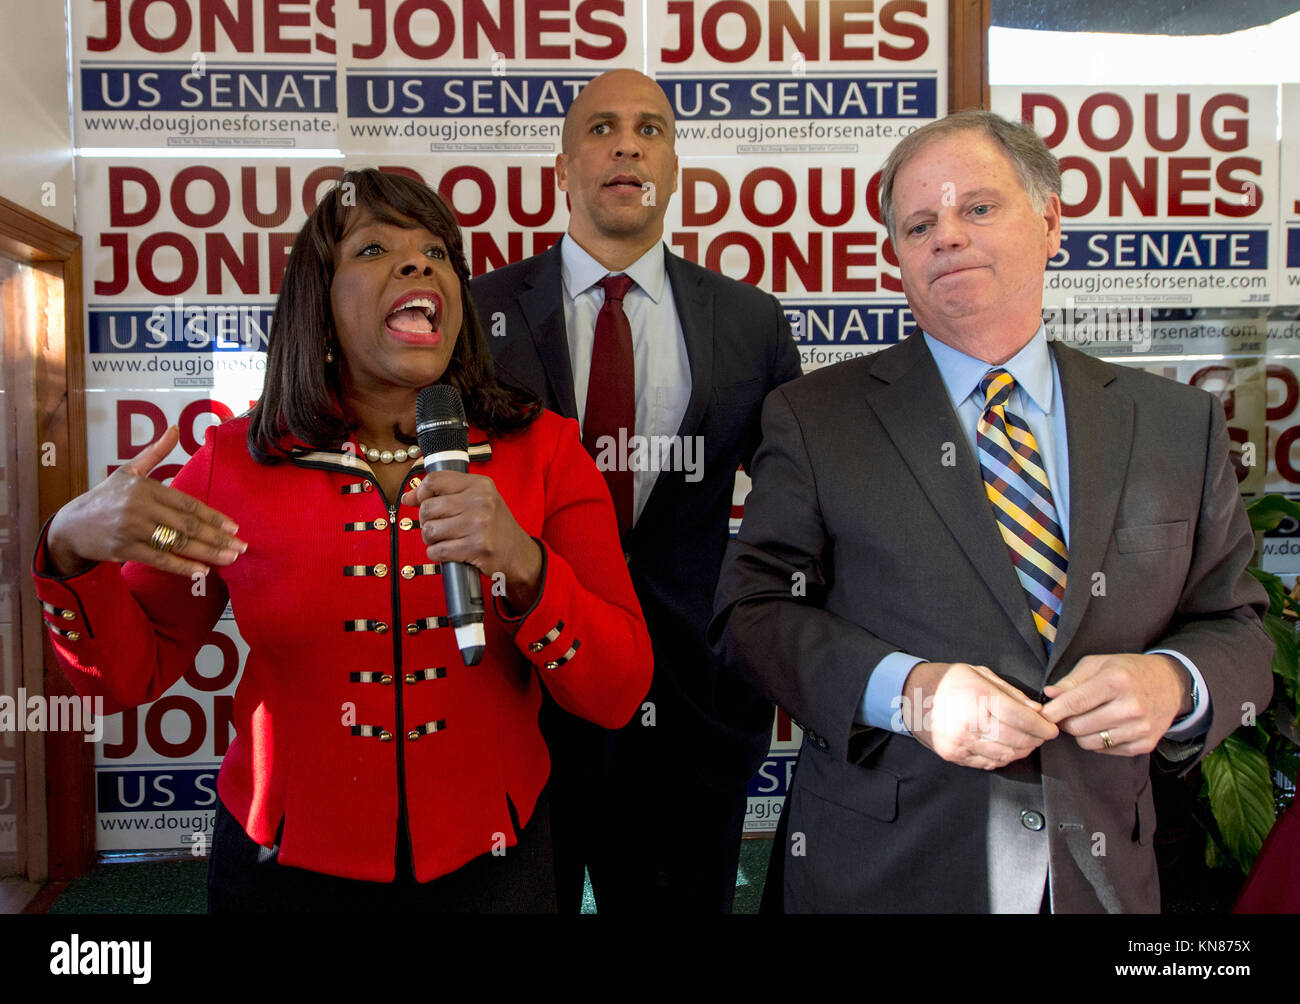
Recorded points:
611,397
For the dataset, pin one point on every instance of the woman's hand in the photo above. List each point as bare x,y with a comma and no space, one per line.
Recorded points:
119,519
463,518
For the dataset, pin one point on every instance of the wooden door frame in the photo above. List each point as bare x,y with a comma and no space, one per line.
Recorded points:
60,771
968,54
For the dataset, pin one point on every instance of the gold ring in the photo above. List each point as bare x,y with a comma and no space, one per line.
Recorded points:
164,538
1105,739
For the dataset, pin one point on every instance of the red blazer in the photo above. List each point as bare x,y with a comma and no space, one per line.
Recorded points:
352,686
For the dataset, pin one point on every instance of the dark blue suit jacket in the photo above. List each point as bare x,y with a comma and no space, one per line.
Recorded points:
739,347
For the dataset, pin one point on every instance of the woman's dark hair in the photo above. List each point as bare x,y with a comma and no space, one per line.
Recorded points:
300,399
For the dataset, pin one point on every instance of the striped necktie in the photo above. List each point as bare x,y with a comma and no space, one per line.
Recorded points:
1017,487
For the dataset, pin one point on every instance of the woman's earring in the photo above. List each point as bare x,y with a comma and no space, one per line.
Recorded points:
329,353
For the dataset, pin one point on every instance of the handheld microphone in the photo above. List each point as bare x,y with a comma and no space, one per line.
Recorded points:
444,441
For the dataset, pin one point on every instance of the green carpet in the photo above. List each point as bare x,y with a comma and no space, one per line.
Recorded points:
180,886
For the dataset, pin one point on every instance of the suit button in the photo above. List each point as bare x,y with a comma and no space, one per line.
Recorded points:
406,523
74,636
381,570
535,647
385,736
381,628
408,571
68,615
386,679
552,665
412,735
409,678
1031,820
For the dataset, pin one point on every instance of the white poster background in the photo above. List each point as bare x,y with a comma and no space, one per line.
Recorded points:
1202,231
182,266
784,77
474,76
194,73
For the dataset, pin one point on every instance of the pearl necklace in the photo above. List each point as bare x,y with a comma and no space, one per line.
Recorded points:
389,456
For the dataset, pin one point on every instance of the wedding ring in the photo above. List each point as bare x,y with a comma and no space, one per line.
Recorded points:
1105,739
164,538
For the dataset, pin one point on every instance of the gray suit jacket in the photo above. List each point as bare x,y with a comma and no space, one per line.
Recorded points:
900,552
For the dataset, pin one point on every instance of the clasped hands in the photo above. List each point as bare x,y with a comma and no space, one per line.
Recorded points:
1120,705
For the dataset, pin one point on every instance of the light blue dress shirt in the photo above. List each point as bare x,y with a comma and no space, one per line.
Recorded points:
1037,399
661,368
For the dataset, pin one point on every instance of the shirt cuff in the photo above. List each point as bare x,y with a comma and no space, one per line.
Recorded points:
1197,722
882,704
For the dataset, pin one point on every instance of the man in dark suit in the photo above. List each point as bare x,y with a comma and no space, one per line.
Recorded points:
666,378
988,575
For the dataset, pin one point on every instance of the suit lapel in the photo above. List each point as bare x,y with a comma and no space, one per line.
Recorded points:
1099,430
912,405
694,303
541,301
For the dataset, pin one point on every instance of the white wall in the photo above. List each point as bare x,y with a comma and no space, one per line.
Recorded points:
35,136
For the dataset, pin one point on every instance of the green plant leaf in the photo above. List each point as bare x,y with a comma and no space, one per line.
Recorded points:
1277,591
1241,797
1286,657
1267,511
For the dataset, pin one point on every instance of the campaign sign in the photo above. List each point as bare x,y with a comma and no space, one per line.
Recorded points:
156,767
474,76
509,208
204,73
1279,552
808,233
1122,334
1247,393
799,76
1169,193
156,764
1289,272
183,263
1283,404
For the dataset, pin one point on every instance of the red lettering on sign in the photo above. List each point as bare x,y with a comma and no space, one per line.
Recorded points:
736,238
892,24
748,202
179,196
844,24
1182,122
586,19
786,254
1087,130
692,215
248,192
487,197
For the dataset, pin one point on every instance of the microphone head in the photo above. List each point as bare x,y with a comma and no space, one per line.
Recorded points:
440,420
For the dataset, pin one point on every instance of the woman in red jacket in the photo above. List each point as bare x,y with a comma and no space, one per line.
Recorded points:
371,769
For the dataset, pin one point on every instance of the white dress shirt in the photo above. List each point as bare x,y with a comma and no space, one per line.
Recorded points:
661,367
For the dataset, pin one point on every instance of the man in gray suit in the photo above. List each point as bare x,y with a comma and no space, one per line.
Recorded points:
989,576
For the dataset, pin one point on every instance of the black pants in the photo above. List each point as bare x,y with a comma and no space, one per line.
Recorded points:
245,877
